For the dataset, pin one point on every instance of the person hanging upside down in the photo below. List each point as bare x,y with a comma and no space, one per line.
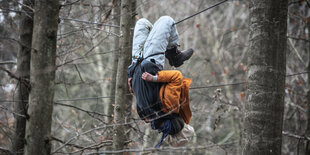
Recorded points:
161,95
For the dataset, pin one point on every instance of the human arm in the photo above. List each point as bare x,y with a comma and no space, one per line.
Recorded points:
129,85
149,77
131,70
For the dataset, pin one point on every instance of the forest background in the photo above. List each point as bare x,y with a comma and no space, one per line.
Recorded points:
82,119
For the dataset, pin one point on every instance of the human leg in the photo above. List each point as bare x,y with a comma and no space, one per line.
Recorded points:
176,57
163,35
141,32
163,39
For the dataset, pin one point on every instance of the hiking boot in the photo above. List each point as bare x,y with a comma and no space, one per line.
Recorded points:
176,57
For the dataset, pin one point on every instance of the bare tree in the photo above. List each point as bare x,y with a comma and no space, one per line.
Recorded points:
307,146
119,136
115,55
266,77
43,58
23,72
110,109
86,40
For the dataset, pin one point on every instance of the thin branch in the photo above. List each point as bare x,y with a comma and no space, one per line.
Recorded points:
70,3
68,19
17,114
79,73
296,52
108,13
109,32
86,98
5,150
294,2
12,75
8,63
308,4
69,144
88,22
295,38
30,8
10,10
83,57
91,113
90,82
299,73
86,132
12,39
94,23
165,148
83,4
298,107
286,133
86,54
93,146
74,99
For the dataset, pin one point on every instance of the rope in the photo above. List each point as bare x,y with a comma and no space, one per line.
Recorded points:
220,85
217,4
201,87
241,83
117,26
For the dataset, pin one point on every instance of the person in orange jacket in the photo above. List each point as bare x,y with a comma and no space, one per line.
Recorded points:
164,103
174,98
174,93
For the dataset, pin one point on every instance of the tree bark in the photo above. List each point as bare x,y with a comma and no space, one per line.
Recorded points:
128,61
23,72
119,135
116,15
307,146
110,108
42,77
266,77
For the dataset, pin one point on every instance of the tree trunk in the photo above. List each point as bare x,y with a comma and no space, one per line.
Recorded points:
23,72
307,147
128,61
116,16
42,77
110,109
266,77
119,136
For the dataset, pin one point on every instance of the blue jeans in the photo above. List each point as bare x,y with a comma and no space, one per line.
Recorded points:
149,39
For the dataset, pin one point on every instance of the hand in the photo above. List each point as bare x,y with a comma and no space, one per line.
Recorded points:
129,85
147,76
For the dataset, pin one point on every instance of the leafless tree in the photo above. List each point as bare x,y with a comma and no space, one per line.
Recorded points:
266,78
42,77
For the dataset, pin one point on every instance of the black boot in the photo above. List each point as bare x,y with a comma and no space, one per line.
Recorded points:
176,57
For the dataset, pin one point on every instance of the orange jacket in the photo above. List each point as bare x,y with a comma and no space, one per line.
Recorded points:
174,94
